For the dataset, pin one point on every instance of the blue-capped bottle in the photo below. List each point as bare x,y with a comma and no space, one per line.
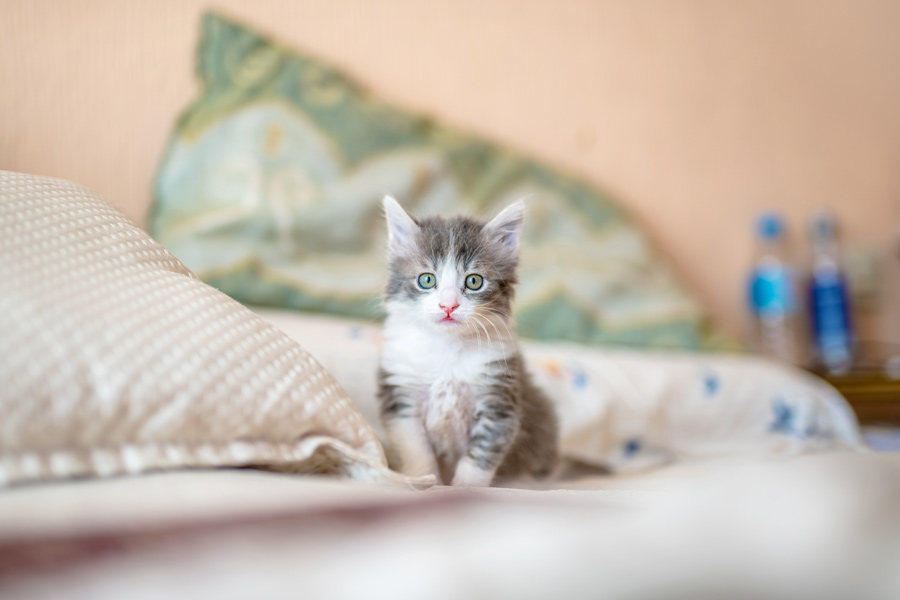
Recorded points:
831,326
773,297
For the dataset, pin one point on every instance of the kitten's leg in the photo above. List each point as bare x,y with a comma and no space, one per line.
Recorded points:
410,442
406,431
494,427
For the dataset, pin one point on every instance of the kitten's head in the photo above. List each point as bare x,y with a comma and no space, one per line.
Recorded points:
454,275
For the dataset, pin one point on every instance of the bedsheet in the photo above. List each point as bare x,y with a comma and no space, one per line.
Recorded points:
628,410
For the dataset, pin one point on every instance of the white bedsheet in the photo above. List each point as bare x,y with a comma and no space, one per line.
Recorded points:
629,410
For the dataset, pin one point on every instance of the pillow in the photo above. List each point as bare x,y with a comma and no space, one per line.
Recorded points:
626,410
271,186
115,359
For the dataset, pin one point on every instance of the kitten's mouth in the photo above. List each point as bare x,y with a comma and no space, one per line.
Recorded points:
448,320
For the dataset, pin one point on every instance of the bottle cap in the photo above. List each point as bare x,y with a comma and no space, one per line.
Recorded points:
822,225
770,226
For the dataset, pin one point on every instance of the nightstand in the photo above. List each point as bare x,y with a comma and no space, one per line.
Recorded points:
874,397
873,386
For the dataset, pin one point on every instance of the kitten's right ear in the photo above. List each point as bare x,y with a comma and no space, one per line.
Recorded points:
402,228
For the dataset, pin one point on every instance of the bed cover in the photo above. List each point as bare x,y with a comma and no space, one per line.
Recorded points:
687,522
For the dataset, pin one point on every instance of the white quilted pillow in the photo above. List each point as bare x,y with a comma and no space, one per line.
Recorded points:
115,359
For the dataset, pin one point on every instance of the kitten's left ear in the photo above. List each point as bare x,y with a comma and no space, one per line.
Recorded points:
506,227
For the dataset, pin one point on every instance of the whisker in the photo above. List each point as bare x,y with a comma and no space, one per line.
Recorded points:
494,325
477,333
496,311
502,319
502,322
506,370
486,333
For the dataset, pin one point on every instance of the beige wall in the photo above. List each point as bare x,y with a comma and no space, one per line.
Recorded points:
697,114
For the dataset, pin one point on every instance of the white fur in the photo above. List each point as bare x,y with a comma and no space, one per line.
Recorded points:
470,474
448,371
448,291
410,441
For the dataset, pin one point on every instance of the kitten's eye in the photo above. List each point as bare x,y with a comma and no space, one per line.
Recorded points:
427,281
474,282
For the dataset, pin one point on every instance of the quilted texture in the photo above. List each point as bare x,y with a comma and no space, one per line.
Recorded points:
115,359
271,187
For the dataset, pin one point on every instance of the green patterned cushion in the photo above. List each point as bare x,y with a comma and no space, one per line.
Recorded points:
270,190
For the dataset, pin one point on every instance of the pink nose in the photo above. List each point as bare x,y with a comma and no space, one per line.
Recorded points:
448,309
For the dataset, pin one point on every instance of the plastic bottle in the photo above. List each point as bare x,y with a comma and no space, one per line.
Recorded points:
773,295
829,302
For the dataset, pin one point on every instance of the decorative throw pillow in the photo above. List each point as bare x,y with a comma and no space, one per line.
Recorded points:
271,186
115,359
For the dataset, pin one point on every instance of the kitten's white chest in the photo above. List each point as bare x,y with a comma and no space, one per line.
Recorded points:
449,375
447,415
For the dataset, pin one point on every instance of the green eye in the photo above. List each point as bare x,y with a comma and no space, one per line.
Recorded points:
427,281
474,282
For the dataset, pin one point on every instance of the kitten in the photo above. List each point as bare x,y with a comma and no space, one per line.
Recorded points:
455,397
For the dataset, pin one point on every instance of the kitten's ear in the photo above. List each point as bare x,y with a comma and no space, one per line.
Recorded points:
401,227
506,227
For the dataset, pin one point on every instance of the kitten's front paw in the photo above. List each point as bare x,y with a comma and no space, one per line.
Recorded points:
419,467
470,474
422,473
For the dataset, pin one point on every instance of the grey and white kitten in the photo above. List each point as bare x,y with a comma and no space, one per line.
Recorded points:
455,398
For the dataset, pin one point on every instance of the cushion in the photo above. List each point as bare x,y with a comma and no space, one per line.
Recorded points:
271,184
115,358
626,410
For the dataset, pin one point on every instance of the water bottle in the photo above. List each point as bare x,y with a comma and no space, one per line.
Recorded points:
829,302
773,298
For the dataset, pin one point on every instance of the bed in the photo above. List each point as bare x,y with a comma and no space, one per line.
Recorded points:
820,526
161,439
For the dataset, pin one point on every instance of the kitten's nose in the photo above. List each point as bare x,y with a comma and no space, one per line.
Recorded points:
448,308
